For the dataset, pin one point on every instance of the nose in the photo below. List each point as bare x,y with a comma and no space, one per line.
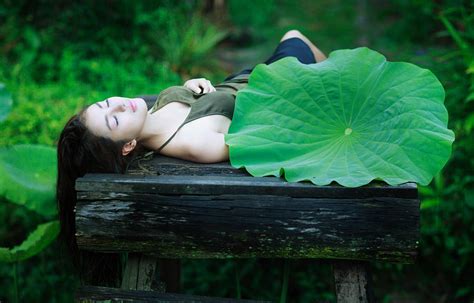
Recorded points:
117,107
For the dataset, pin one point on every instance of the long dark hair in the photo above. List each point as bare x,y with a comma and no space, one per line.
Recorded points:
81,152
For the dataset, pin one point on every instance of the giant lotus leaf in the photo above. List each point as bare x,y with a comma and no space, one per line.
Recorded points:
352,118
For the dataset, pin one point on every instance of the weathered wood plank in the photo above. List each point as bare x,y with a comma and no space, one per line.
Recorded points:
161,165
352,282
171,208
217,185
246,226
130,274
139,272
87,293
146,274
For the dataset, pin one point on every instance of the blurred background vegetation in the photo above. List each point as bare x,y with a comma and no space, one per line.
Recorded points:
57,56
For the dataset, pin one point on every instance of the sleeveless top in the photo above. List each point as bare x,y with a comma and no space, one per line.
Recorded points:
220,102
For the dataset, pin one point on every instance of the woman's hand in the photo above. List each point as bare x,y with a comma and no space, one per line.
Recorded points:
200,86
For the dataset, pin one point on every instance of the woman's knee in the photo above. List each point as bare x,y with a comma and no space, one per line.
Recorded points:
292,34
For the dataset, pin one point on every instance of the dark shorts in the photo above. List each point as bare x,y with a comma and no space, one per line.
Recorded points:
293,47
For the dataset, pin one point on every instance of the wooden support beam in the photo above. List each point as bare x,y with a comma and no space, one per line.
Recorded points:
352,282
139,272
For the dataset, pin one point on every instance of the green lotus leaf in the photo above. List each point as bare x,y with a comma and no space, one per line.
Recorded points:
5,102
38,240
28,177
352,118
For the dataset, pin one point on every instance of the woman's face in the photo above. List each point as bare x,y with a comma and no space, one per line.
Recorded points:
117,118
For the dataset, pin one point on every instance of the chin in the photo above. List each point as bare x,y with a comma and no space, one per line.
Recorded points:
141,104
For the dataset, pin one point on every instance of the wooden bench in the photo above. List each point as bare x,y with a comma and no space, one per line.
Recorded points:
172,209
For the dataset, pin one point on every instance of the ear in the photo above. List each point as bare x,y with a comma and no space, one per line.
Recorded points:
128,147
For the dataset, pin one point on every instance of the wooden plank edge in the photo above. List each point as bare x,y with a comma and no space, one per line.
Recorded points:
106,293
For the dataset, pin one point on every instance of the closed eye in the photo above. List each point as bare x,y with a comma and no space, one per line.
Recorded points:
115,117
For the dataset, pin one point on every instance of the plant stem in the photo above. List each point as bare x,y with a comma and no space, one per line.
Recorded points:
284,286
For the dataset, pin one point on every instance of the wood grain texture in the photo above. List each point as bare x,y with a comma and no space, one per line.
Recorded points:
352,282
220,185
214,217
173,209
96,293
139,272
162,165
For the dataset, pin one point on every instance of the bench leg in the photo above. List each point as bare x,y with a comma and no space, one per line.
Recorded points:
352,282
139,272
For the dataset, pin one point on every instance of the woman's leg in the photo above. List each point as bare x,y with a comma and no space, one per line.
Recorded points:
317,53
295,44
292,44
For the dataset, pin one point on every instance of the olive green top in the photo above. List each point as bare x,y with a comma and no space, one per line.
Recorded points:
220,102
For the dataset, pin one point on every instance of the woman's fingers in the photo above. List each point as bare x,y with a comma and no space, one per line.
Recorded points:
211,88
206,86
200,86
194,87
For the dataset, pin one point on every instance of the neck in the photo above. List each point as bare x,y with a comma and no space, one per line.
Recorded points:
154,129
160,125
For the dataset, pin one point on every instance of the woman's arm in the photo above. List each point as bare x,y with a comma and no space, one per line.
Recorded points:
210,149
206,147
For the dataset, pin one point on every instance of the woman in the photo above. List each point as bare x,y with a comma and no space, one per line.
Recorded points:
187,122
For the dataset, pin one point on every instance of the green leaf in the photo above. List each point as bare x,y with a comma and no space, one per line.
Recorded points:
38,240
426,191
5,102
28,177
428,203
351,119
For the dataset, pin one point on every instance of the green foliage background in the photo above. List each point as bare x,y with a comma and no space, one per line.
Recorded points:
57,56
